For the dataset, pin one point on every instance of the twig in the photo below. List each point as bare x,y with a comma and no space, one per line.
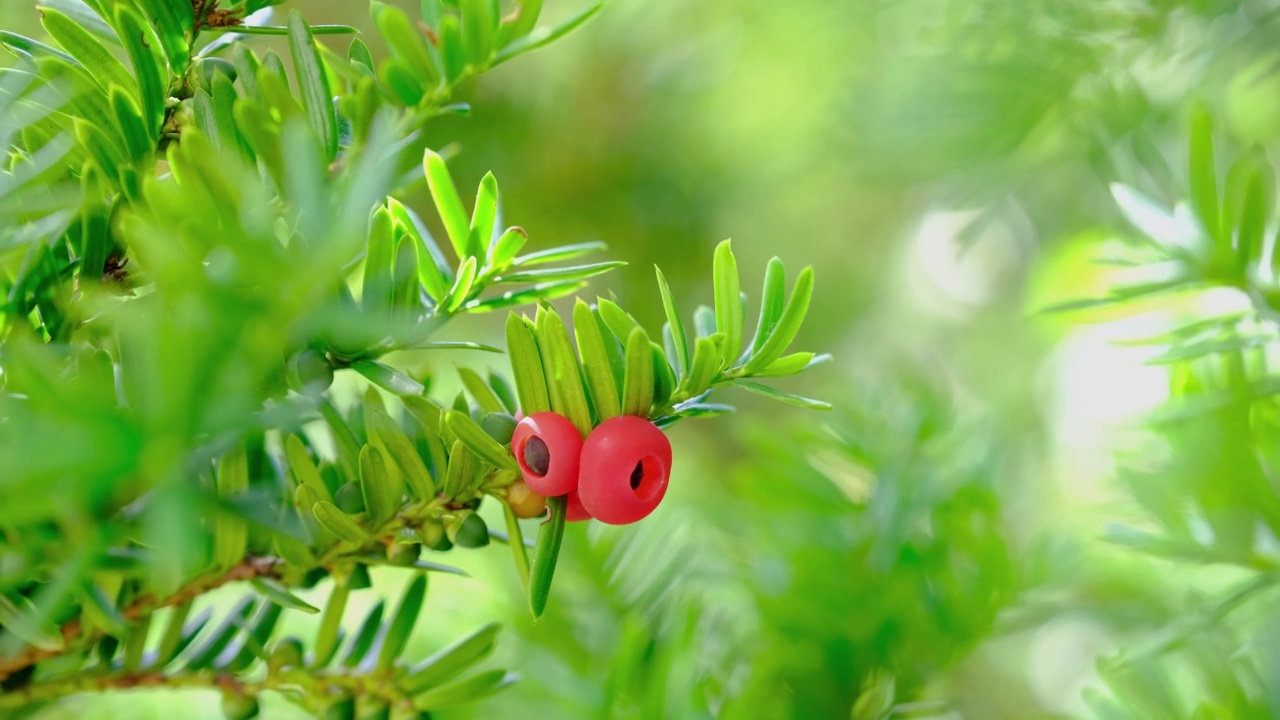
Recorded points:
252,567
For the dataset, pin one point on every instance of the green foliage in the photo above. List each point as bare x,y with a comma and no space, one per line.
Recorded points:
1209,499
196,253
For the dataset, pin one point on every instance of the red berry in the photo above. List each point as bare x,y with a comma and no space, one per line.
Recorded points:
626,463
547,447
574,510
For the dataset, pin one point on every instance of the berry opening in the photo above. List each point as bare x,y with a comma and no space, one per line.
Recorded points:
644,478
537,456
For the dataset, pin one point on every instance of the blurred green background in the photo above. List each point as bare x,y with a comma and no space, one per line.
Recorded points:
934,543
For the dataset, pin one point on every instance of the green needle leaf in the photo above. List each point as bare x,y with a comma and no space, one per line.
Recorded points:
515,538
377,289
596,364
564,377
303,469
463,466
728,297
792,364
620,323
556,254
402,623
340,524
506,247
405,42
171,639
434,270
388,378
484,215
326,642
577,272
546,553
526,366
545,36
448,203
469,690
706,362
281,30
172,20
348,448
21,618
313,82
637,392
1204,185
213,646
453,660
365,636
786,397
381,499
772,300
479,441
129,121
480,391
87,50
386,434
478,25
152,78
231,531
461,287
280,595
679,340
529,10
787,326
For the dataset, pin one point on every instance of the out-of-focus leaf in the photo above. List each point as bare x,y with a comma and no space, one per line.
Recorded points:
401,626
451,661
87,50
339,523
776,394
364,638
545,36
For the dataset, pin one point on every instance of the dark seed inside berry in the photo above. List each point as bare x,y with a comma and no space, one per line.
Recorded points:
637,475
537,457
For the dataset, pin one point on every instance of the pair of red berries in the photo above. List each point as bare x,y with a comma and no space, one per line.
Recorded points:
617,476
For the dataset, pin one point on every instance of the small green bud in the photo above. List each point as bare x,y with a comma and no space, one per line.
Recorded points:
468,531
434,536
239,707
210,66
343,708
359,578
287,653
349,499
499,426
310,372
400,554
